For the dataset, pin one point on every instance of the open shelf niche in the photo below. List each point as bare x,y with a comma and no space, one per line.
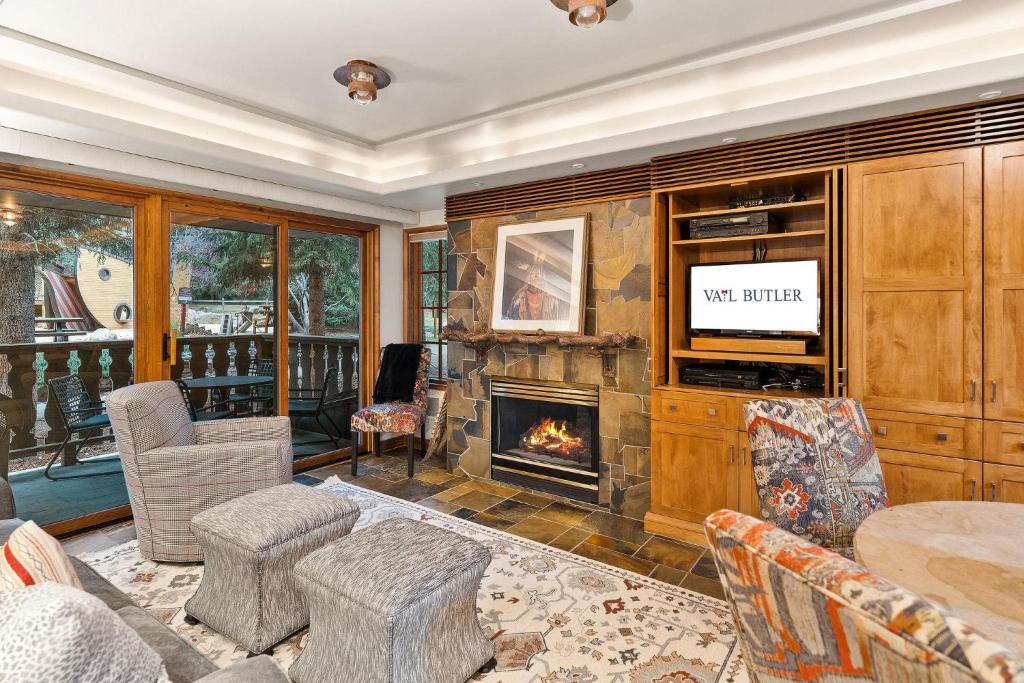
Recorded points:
806,229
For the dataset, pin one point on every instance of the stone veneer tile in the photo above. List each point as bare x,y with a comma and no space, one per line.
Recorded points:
476,461
596,552
562,513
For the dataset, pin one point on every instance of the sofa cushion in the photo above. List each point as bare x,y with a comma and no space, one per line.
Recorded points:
31,556
94,584
7,527
56,633
183,663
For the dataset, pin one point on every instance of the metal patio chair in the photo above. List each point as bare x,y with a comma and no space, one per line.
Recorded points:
80,415
203,413
314,403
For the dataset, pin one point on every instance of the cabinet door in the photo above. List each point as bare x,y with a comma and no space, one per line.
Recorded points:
1004,483
918,478
914,283
1004,282
750,504
693,471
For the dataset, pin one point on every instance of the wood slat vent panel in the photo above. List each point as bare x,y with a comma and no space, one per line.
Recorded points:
626,182
978,123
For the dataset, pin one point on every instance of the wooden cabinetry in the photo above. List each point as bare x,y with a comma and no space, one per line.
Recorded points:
914,283
1004,282
1004,483
915,478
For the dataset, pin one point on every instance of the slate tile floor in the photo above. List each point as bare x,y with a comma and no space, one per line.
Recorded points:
587,532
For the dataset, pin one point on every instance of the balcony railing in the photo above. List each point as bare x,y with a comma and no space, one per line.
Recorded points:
30,422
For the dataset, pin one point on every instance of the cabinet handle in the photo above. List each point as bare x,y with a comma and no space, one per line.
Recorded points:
743,455
974,489
974,390
995,497
712,411
672,407
882,430
732,456
993,391
841,384
942,436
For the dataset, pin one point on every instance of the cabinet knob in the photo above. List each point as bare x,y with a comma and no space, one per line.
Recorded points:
882,430
712,411
672,407
942,436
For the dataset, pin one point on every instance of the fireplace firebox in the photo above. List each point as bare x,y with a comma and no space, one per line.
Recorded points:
544,435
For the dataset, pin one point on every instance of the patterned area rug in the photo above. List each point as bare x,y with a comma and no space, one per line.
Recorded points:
554,617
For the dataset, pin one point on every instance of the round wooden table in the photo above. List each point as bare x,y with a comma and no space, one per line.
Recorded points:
966,557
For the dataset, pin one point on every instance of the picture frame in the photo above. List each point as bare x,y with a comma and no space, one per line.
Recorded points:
541,276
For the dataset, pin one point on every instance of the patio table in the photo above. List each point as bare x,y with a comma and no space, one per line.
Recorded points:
220,383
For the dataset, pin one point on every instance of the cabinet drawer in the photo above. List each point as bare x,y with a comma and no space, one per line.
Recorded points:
1004,443
695,409
917,478
929,434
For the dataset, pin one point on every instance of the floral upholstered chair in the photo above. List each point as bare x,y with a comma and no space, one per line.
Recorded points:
396,417
805,613
815,466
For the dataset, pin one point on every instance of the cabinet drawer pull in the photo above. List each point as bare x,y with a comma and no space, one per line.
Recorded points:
712,411
942,436
974,390
882,430
974,489
672,407
994,497
994,391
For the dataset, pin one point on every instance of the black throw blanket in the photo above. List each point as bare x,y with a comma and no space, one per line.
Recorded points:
397,377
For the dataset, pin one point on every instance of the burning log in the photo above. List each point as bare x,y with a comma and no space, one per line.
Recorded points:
553,437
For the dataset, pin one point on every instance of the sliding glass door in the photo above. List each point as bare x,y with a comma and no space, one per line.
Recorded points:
67,336
223,314
325,319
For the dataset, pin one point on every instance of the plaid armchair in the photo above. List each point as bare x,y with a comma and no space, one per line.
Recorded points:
805,613
7,509
175,468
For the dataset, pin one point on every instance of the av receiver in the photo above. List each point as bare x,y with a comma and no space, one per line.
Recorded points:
753,223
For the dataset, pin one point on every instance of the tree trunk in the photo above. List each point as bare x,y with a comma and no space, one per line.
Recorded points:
317,301
17,304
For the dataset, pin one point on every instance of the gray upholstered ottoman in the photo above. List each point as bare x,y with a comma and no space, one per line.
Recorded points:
393,603
251,545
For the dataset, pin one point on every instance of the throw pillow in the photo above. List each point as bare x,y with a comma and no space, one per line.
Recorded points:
61,634
31,556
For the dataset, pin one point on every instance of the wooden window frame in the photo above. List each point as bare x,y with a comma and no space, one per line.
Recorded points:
412,304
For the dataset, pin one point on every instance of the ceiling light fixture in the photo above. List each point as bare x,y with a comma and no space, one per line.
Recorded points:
585,13
990,94
728,140
478,184
363,79
578,166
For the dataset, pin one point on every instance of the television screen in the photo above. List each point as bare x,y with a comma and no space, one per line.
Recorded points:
769,297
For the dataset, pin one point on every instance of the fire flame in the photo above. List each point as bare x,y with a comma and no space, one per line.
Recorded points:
553,436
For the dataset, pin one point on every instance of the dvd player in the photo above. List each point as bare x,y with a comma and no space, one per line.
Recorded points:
753,223
724,376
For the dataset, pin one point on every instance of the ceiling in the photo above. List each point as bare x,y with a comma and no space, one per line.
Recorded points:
451,60
485,91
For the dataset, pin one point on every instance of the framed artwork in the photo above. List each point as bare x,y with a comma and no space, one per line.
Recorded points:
540,276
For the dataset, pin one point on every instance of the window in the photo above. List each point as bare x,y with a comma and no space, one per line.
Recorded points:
427,294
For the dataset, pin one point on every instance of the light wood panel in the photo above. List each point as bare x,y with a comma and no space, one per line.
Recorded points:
693,471
1004,282
929,434
1004,443
916,478
914,283
1004,483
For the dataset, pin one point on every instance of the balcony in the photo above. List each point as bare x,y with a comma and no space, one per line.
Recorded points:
31,427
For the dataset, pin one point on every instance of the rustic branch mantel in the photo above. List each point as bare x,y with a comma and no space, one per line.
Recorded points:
485,341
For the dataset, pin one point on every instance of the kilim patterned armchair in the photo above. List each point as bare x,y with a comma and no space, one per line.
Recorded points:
175,468
396,417
815,466
805,613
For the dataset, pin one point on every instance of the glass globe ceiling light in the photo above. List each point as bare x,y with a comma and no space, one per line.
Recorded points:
585,13
363,79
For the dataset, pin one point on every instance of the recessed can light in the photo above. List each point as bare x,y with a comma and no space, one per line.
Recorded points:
990,94
478,184
728,140
578,166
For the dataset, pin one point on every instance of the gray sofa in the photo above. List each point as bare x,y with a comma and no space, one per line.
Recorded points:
184,664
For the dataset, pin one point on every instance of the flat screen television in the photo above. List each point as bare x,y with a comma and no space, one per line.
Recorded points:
766,298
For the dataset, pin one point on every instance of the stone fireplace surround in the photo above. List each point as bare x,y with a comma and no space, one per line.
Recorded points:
618,301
